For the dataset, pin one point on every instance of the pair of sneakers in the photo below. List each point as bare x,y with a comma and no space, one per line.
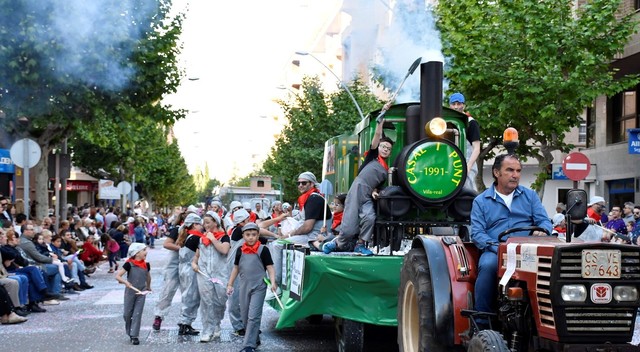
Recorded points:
360,248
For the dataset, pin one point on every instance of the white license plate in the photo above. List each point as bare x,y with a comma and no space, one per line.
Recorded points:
600,263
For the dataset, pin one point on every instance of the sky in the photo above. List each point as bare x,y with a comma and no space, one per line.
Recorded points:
234,56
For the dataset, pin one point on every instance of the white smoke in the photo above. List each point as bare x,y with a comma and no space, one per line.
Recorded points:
93,39
411,34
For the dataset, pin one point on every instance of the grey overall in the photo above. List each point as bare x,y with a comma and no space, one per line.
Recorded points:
133,303
234,301
213,296
170,285
359,211
188,286
253,289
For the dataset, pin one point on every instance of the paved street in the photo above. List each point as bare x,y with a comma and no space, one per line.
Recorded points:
92,321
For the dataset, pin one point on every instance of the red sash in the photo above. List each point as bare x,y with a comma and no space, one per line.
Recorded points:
247,249
139,263
203,238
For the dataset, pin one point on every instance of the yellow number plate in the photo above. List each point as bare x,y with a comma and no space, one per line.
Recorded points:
600,263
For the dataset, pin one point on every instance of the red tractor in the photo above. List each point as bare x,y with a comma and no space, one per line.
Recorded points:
554,295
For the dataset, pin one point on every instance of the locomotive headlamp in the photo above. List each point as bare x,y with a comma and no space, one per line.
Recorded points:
573,293
510,139
625,293
436,127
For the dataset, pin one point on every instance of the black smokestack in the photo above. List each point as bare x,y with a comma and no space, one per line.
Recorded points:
430,93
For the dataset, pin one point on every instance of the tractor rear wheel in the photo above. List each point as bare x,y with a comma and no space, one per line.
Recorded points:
487,341
416,314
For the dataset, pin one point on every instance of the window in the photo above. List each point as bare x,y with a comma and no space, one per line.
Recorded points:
636,5
261,184
620,191
623,115
582,133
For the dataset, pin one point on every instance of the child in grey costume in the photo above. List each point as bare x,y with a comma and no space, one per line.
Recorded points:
251,260
138,283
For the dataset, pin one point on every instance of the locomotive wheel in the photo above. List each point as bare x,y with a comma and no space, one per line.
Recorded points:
487,341
349,335
416,314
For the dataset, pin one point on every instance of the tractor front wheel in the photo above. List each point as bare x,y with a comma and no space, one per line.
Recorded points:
487,341
416,314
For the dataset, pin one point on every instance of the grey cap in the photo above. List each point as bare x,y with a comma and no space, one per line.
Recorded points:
308,175
192,219
214,215
239,216
250,226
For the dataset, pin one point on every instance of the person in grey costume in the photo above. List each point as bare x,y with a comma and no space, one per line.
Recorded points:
240,218
210,264
188,240
138,280
171,281
251,261
359,211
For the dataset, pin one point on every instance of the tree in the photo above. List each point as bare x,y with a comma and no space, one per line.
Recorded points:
313,117
142,150
68,64
533,65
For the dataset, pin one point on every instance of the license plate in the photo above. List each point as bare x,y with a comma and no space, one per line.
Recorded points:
600,263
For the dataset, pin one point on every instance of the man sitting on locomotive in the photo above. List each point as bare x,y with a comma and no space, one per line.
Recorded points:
504,205
359,211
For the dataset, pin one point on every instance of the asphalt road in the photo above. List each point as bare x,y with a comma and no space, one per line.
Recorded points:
92,321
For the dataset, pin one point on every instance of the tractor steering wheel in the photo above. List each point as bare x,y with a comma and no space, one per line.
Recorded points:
531,229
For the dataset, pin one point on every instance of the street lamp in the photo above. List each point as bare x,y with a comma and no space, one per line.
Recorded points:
304,53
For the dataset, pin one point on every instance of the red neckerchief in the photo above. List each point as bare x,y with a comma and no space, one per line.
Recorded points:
337,219
560,229
203,238
383,162
380,160
247,249
139,263
218,234
303,198
273,216
592,214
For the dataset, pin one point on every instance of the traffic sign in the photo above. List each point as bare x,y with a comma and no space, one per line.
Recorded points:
25,152
576,166
124,187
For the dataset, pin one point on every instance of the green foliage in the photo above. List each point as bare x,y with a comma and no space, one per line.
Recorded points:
207,189
532,65
313,117
94,71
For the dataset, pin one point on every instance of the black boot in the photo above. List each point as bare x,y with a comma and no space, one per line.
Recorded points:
187,330
35,308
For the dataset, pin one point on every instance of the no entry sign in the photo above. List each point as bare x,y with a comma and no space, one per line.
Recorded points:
576,166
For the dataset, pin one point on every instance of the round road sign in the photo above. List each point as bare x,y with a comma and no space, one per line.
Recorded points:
30,158
576,166
124,187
